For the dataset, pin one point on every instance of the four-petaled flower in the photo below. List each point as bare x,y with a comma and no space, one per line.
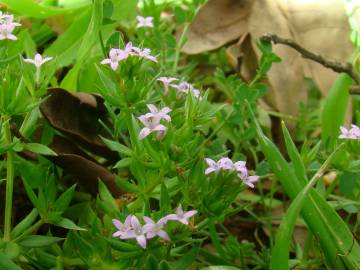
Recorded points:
181,216
136,231
155,228
7,26
122,227
144,53
166,82
151,121
352,133
115,56
186,88
38,60
144,22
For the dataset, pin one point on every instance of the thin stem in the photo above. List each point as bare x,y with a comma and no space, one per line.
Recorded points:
9,181
179,46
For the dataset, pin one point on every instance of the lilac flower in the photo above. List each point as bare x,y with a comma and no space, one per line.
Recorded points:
226,164
154,229
151,121
222,164
166,82
240,167
136,232
181,216
7,26
122,227
186,88
250,180
145,53
163,113
144,22
38,60
213,166
352,133
6,32
115,56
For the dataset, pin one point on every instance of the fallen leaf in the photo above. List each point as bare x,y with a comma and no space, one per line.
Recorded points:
319,26
77,116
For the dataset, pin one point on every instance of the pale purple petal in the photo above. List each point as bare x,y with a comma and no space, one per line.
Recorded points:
171,217
210,162
148,220
141,239
105,61
128,234
114,65
190,213
152,108
210,170
144,133
163,235
117,224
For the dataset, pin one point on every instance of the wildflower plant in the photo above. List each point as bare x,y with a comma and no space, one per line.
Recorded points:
120,153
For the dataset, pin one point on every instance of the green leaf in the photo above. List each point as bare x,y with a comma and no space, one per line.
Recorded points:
280,252
88,40
6,263
187,259
125,185
37,241
25,223
30,8
220,267
164,199
65,47
67,224
62,203
106,196
117,147
335,107
39,149
334,236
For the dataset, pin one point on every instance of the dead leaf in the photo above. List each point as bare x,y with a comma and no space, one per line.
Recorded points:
217,23
84,168
77,116
319,26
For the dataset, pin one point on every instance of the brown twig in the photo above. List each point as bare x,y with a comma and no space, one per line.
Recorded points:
329,63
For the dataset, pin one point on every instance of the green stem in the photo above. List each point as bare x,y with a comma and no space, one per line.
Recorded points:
9,181
179,46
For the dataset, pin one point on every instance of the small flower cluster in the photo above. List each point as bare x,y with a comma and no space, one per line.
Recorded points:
182,87
144,22
132,228
151,121
226,164
352,133
7,26
116,55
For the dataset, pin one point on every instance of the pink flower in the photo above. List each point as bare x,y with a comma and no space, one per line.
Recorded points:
250,180
226,164
6,32
115,56
166,82
181,216
38,61
136,232
145,53
352,133
122,227
240,167
144,22
154,229
186,88
7,26
212,166
151,121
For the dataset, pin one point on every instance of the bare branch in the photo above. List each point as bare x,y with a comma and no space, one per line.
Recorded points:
329,63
